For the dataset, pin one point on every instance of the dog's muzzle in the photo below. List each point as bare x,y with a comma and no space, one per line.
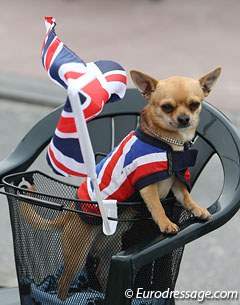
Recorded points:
183,120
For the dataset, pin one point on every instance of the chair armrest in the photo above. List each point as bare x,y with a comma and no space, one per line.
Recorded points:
190,230
127,263
31,145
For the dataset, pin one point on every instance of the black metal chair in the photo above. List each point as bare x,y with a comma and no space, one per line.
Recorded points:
158,255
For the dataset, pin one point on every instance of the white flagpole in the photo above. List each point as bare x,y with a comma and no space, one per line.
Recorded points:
86,149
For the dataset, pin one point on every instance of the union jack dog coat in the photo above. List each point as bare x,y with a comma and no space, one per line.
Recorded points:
139,160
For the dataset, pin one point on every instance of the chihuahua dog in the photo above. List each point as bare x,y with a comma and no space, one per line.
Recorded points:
171,117
172,113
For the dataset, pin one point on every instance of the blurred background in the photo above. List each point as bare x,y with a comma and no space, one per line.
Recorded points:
160,37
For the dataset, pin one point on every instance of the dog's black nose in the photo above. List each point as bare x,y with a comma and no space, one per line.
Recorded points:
183,120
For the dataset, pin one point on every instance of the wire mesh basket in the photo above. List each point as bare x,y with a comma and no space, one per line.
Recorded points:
39,246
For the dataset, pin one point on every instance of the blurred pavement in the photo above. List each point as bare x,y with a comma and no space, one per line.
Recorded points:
162,38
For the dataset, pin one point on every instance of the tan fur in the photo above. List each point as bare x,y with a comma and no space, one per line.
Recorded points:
76,240
178,92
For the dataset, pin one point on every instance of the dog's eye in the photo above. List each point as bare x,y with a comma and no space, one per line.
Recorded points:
167,108
194,105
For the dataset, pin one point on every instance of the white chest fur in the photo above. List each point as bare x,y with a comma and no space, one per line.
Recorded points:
164,186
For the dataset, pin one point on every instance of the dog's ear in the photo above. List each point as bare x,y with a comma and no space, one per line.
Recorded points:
207,81
145,83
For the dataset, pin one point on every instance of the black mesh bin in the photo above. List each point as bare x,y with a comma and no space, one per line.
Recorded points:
39,251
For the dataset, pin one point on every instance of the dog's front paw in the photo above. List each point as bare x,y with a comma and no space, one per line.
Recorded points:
201,213
168,227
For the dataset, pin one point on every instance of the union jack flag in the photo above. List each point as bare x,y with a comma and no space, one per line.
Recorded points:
98,83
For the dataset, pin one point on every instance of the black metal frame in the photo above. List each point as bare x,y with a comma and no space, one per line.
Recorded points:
216,135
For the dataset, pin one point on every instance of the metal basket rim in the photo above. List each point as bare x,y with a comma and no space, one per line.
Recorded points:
7,184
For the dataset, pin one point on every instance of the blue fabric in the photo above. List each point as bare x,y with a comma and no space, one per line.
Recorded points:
89,297
45,293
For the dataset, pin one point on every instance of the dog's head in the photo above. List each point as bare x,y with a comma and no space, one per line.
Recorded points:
174,103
